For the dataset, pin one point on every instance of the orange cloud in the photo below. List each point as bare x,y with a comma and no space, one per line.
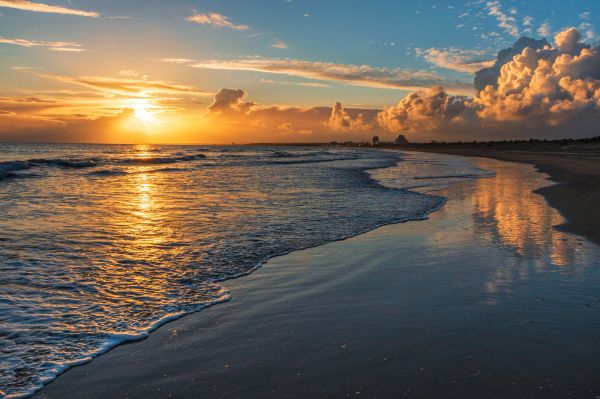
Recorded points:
26,5
54,46
140,87
237,116
340,119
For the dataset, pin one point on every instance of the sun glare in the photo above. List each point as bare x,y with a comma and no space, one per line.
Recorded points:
144,112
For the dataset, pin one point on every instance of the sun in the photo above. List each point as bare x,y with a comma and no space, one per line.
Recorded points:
144,111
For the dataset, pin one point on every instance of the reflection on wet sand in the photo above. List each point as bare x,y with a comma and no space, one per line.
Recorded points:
508,214
511,215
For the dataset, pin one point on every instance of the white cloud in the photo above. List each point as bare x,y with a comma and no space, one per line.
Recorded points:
544,30
279,45
457,59
506,22
217,20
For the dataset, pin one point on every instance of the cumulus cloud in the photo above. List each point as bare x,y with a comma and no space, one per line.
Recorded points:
358,75
457,59
429,109
26,5
53,46
340,119
228,101
217,20
537,90
557,84
235,113
569,41
489,76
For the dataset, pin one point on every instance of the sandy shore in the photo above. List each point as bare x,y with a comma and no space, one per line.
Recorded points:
484,300
575,168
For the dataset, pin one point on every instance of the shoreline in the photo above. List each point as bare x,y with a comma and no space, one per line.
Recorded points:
225,296
159,364
576,174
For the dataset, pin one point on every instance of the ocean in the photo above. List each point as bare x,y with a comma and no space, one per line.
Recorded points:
101,244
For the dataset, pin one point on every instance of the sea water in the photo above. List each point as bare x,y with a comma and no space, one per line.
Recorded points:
101,244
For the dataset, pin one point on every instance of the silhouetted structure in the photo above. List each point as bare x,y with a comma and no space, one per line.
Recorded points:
401,139
375,141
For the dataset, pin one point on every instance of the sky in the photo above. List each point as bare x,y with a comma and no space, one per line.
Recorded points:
200,71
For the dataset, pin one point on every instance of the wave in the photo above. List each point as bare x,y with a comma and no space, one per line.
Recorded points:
117,172
162,160
305,161
108,172
8,168
65,163
285,154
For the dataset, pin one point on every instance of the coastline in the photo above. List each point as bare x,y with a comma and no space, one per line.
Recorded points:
368,316
575,171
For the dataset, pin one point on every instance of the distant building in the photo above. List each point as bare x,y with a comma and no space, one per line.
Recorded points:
401,139
375,141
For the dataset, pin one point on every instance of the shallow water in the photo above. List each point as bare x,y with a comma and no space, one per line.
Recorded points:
101,244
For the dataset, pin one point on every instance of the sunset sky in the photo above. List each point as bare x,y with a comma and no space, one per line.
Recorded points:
199,71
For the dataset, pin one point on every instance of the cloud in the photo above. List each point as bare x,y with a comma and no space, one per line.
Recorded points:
539,91
505,21
230,101
235,115
569,41
429,109
279,45
26,5
340,119
177,60
288,83
217,20
357,75
489,76
457,59
53,46
544,29
118,86
122,127
557,84
585,26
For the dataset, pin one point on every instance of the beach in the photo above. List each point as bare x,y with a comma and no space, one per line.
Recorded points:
576,167
486,298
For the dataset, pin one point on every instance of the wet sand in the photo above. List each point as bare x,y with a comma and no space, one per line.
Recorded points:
484,300
576,168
